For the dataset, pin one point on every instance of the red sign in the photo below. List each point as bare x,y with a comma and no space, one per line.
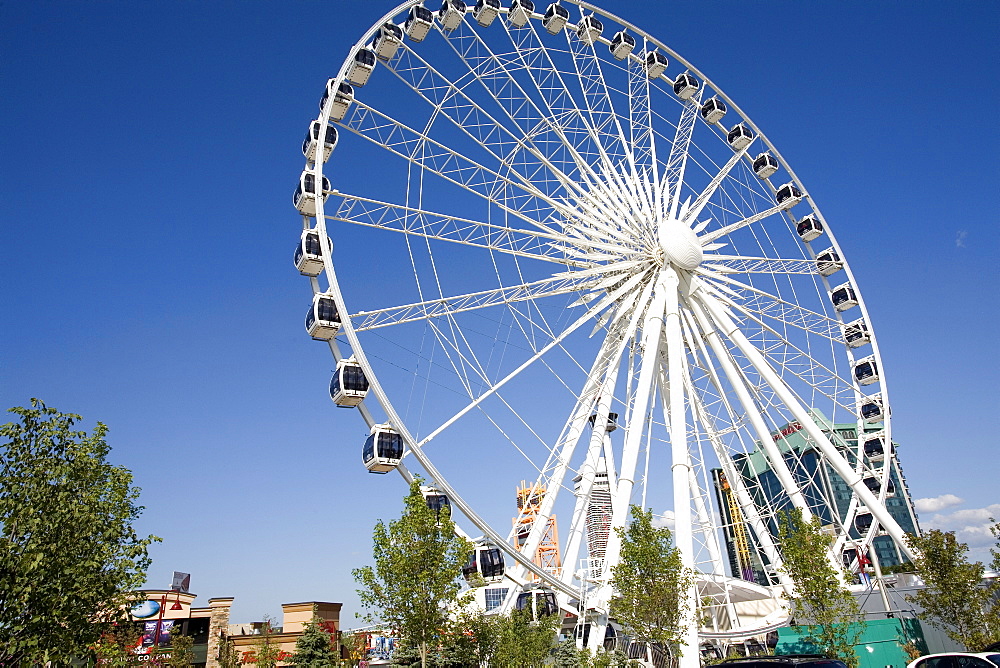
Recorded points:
787,431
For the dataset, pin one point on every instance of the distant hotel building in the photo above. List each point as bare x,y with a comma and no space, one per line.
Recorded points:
822,488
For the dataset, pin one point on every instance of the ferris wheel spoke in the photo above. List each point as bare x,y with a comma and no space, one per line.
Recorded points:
446,306
709,237
750,300
673,173
517,199
531,244
643,139
740,264
691,213
451,101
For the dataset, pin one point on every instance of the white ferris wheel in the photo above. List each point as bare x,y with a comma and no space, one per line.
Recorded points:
558,252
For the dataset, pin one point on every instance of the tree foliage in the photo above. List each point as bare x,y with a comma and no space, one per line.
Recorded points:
266,648
228,656
70,559
418,561
315,647
954,598
514,640
651,582
826,613
180,653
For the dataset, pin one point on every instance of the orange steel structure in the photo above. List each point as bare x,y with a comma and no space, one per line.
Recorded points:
529,504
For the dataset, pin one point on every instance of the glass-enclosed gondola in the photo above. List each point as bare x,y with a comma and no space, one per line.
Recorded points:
809,228
828,262
348,386
874,486
308,255
387,40
863,521
383,450
875,446
361,67
418,23
849,557
305,195
872,409
856,333
685,86
788,196
437,501
343,96
555,18
520,12
323,319
485,11
764,165
866,371
311,142
589,29
485,565
843,297
656,63
451,13
740,137
611,425
713,110
622,44
537,600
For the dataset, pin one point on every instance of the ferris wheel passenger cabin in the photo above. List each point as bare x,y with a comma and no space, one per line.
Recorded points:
555,18
437,501
343,96
485,562
872,409
764,165
305,195
485,11
875,446
520,12
788,196
713,110
451,13
740,137
537,600
361,67
863,521
843,297
323,319
308,255
589,29
866,371
828,262
348,386
388,40
383,450
856,333
685,86
874,486
418,23
311,143
656,63
809,228
622,44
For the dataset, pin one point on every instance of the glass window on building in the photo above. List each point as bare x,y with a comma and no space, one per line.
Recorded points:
494,597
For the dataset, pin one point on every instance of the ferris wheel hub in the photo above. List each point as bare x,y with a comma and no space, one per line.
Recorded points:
680,245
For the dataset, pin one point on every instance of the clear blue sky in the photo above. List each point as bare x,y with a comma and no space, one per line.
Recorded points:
148,157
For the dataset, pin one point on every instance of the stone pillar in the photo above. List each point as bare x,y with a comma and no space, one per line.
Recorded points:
218,625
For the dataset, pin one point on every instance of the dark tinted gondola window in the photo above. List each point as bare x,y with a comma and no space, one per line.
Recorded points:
870,410
312,244
523,601
335,384
390,446
365,57
493,564
369,450
327,311
310,318
354,379
873,448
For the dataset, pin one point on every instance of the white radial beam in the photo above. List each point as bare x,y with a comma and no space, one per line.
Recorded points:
442,227
677,161
446,306
787,397
738,384
709,237
695,209
735,264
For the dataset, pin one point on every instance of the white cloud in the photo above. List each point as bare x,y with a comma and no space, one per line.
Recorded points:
960,238
665,519
971,526
937,503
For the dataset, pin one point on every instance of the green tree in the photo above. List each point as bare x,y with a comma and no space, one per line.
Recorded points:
228,656
651,583
116,644
826,613
954,598
315,647
418,561
514,640
179,654
70,560
266,647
